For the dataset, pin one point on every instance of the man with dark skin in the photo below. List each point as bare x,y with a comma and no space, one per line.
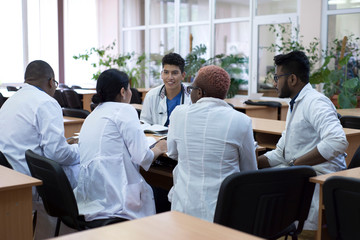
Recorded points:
32,119
313,134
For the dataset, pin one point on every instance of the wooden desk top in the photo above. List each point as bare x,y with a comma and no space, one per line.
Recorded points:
238,103
354,173
70,120
270,126
137,106
169,225
11,179
145,90
349,112
276,127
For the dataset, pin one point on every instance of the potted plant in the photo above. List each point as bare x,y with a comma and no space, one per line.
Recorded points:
132,64
339,73
235,65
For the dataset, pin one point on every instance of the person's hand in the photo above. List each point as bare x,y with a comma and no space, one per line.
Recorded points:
73,140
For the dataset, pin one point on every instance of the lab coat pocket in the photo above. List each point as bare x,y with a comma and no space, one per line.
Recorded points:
133,196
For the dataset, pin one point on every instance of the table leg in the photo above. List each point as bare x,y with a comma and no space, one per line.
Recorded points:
318,233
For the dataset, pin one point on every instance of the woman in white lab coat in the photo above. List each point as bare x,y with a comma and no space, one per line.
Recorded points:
113,147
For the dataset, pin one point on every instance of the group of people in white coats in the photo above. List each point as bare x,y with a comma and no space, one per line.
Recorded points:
209,139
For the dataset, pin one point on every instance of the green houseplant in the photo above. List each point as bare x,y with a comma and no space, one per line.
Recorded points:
339,72
132,64
339,75
235,65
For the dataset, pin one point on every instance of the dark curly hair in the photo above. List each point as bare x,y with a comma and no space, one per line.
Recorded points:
109,84
295,62
174,59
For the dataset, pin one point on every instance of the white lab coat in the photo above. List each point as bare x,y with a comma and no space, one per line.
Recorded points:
31,119
112,148
154,109
312,122
211,140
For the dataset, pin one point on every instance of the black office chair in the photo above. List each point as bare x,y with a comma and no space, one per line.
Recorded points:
63,86
57,195
73,112
93,106
341,201
76,87
136,96
350,122
355,161
12,88
73,99
4,162
60,98
266,203
2,100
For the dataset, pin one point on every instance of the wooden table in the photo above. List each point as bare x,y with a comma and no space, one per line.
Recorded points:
349,112
354,173
137,106
16,204
86,97
259,111
169,225
72,125
267,132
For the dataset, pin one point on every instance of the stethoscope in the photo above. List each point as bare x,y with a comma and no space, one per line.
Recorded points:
182,95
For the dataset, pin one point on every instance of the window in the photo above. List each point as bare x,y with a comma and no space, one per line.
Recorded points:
11,61
80,30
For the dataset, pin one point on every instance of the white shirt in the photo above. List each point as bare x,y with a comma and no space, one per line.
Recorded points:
312,122
211,140
154,109
112,147
31,119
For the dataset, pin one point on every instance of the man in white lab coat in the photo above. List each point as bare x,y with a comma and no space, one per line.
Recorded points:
162,100
32,119
313,134
210,140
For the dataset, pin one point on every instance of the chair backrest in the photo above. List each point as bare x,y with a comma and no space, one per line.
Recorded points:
266,202
72,99
93,106
355,161
56,193
12,88
4,162
2,100
350,122
73,112
76,87
60,98
136,96
63,86
341,200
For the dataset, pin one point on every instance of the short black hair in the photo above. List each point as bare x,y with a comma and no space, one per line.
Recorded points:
38,70
109,84
174,59
295,62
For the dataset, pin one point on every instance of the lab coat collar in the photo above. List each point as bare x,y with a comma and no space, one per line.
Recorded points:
215,101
